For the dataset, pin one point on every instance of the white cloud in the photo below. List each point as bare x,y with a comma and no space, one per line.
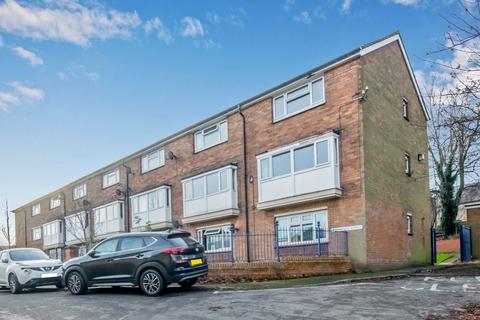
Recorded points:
405,2
234,18
192,27
28,55
77,71
156,25
346,6
28,92
66,20
288,4
18,95
303,17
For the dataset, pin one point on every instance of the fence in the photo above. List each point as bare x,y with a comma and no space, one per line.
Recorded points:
272,246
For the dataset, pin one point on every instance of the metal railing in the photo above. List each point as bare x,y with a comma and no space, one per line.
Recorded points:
275,245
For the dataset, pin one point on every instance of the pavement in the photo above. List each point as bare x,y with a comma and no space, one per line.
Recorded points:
413,296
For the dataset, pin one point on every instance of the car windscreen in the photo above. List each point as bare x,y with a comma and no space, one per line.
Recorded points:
26,255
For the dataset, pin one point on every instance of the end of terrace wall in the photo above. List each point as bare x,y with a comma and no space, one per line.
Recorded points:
286,268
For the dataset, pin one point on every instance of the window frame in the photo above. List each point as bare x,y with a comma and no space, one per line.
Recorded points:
106,175
161,155
285,99
407,164
405,109
291,150
216,127
300,215
55,202
409,218
33,233
188,183
49,226
83,187
224,231
34,209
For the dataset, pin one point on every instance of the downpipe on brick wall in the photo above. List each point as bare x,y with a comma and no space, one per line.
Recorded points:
245,181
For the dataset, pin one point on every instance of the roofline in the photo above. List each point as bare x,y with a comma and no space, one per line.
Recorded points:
358,52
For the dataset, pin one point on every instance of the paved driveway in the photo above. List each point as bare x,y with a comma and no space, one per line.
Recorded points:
410,298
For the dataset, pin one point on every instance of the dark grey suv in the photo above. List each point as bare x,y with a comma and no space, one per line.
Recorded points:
150,260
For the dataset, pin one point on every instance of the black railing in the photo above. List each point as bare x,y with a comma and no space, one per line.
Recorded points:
275,245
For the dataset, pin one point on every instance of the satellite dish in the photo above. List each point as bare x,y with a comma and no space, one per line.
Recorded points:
171,156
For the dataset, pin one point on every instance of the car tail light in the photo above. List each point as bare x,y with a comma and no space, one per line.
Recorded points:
174,250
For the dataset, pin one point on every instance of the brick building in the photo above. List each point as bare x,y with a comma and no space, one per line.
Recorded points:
342,145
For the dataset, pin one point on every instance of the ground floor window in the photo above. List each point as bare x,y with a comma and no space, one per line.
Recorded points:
302,228
55,253
215,239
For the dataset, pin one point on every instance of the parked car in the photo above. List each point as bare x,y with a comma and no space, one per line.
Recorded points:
150,260
28,268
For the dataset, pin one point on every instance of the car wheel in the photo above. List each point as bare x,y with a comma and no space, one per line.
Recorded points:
14,285
151,283
188,283
75,283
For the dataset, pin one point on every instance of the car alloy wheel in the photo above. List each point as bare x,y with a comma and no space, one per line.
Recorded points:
13,284
151,283
75,283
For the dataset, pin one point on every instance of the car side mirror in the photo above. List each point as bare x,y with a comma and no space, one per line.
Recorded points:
5,260
93,254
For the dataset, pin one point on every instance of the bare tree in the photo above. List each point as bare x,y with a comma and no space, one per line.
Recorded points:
79,226
7,224
453,98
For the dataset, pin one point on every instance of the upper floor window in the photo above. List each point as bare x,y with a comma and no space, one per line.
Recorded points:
36,233
409,224
55,202
80,191
405,108
36,209
211,136
299,99
297,158
407,164
153,160
209,183
149,201
111,178
52,228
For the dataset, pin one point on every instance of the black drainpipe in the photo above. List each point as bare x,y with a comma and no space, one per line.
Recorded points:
126,203
245,182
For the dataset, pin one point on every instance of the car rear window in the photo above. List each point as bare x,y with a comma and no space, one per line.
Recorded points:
182,241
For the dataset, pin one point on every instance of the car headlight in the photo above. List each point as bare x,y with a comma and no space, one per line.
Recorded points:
27,270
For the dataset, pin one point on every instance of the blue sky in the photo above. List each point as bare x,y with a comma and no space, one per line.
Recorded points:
85,83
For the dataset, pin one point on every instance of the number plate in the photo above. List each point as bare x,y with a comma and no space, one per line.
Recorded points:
196,262
49,275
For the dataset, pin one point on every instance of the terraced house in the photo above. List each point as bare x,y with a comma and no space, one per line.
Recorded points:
339,149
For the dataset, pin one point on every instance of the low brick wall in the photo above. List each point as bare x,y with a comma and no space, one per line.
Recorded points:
288,267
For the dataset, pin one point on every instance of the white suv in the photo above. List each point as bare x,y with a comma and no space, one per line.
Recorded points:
28,268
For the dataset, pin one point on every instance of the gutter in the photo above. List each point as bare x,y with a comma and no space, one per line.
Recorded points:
245,181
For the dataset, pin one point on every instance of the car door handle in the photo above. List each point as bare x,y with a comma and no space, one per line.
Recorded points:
109,260
139,256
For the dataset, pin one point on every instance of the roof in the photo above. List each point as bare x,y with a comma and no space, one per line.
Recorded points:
355,53
471,193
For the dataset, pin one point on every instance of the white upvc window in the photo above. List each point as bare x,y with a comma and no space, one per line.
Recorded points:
298,229
405,108
55,202
208,184
409,224
298,158
52,228
301,98
153,160
36,209
211,136
80,191
215,239
36,233
107,213
111,178
150,207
